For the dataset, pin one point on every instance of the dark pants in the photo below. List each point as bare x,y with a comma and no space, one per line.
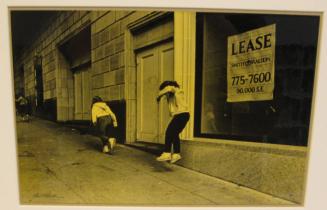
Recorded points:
175,127
23,110
106,129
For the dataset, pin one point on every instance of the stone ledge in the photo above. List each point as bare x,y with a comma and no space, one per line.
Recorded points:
252,146
278,170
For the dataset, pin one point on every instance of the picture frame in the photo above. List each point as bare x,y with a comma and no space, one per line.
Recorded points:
316,186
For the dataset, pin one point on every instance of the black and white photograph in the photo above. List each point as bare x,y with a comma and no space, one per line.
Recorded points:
163,107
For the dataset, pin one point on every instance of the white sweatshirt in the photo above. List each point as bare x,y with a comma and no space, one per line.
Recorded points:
176,100
100,109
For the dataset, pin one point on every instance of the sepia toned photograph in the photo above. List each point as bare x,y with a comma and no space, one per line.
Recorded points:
131,107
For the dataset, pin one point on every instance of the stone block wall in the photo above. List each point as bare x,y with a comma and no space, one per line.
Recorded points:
60,26
277,170
108,54
49,75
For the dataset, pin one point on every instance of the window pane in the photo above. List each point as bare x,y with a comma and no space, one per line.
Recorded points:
283,120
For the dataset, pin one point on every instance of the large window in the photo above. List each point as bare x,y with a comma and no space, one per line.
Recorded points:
282,120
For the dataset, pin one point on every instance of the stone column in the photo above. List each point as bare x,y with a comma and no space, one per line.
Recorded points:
130,88
184,61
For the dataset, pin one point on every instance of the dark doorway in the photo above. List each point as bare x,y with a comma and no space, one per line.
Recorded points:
39,84
21,82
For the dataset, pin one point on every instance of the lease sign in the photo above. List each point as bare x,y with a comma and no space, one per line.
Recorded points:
251,65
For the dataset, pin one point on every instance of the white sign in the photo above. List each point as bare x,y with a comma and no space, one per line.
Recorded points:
251,65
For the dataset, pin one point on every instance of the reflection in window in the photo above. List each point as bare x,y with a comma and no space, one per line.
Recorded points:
283,120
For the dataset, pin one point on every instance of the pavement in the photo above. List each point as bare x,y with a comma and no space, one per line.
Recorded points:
60,166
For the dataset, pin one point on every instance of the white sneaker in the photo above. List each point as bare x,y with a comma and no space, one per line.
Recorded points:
112,143
175,157
164,157
105,149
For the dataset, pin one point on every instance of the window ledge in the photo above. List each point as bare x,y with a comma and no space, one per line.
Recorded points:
252,146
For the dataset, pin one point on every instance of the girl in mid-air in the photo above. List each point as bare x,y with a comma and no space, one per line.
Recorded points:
180,116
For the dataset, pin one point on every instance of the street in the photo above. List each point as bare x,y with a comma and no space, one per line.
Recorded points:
58,165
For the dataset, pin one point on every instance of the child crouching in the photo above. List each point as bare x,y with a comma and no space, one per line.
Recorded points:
106,123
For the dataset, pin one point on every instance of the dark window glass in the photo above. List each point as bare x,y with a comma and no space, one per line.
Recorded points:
283,120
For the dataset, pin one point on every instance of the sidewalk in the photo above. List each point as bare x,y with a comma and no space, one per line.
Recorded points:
58,165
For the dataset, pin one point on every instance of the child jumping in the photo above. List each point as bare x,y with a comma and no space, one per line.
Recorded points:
106,123
180,116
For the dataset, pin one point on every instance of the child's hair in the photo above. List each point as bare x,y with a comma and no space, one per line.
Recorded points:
168,83
96,99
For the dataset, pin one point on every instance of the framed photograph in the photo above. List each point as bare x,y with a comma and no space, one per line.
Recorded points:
165,104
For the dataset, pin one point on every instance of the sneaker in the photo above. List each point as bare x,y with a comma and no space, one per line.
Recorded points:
164,157
175,157
106,149
112,143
